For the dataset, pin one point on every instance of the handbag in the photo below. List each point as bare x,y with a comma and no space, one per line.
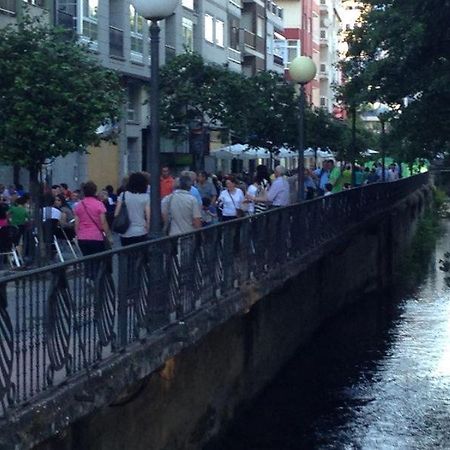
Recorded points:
239,211
121,222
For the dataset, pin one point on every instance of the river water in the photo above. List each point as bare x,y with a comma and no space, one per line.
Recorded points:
375,377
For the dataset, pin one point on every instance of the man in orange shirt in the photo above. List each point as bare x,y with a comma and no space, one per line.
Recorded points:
166,182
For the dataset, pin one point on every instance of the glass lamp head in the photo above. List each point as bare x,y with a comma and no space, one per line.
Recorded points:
155,9
302,69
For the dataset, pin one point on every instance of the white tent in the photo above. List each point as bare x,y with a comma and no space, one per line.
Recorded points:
241,151
369,152
284,152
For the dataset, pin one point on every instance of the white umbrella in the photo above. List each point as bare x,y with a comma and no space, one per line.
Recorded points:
241,151
284,152
369,152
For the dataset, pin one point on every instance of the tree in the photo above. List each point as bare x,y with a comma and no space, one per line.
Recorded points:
53,96
400,55
262,111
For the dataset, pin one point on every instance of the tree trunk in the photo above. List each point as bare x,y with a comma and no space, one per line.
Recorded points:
36,201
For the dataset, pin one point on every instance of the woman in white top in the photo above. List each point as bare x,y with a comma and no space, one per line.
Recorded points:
231,200
138,207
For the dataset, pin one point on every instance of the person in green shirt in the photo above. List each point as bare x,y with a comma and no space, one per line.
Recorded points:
335,177
19,215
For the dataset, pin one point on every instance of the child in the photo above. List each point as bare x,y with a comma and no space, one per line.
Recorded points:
209,213
328,189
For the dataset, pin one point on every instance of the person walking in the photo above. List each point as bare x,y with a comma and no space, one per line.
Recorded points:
231,199
278,193
206,187
180,210
166,182
138,206
91,226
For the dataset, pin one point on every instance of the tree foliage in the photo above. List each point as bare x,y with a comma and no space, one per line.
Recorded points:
401,51
262,110
53,94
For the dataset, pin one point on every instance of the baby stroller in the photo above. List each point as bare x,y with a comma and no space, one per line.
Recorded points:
8,251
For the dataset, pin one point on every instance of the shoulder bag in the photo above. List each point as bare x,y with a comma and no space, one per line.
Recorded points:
239,211
121,222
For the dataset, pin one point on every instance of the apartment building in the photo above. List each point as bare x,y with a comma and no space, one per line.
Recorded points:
243,35
301,30
329,73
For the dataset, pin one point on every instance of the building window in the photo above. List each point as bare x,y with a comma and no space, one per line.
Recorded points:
133,103
209,28
220,29
189,4
188,34
279,48
90,8
323,102
260,26
136,29
234,34
293,50
89,23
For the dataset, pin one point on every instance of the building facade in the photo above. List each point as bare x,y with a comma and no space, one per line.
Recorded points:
329,72
243,35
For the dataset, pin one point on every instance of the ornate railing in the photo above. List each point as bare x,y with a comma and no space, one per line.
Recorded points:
64,319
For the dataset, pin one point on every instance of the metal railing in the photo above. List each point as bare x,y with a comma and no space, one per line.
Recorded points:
63,319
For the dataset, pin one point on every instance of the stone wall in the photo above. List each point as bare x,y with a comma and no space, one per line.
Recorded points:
191,396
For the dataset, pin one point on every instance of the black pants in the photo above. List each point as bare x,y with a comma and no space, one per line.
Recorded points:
227,218
132,240
90,248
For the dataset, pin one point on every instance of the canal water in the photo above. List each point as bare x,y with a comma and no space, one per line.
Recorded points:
376,377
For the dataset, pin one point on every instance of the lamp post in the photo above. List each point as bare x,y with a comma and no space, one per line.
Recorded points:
302,70
154,10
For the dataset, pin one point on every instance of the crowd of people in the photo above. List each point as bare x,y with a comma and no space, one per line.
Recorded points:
189,201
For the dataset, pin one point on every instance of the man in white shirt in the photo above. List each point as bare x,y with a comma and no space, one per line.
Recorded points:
278,194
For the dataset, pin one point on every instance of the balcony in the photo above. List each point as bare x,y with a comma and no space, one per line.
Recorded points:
8,7
250,39
115,42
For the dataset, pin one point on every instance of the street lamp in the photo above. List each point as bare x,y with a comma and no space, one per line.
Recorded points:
154,10
302,70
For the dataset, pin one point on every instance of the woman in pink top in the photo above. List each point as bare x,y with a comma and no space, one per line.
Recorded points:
90,221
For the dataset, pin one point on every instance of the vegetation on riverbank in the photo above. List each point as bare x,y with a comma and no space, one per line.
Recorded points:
413,267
